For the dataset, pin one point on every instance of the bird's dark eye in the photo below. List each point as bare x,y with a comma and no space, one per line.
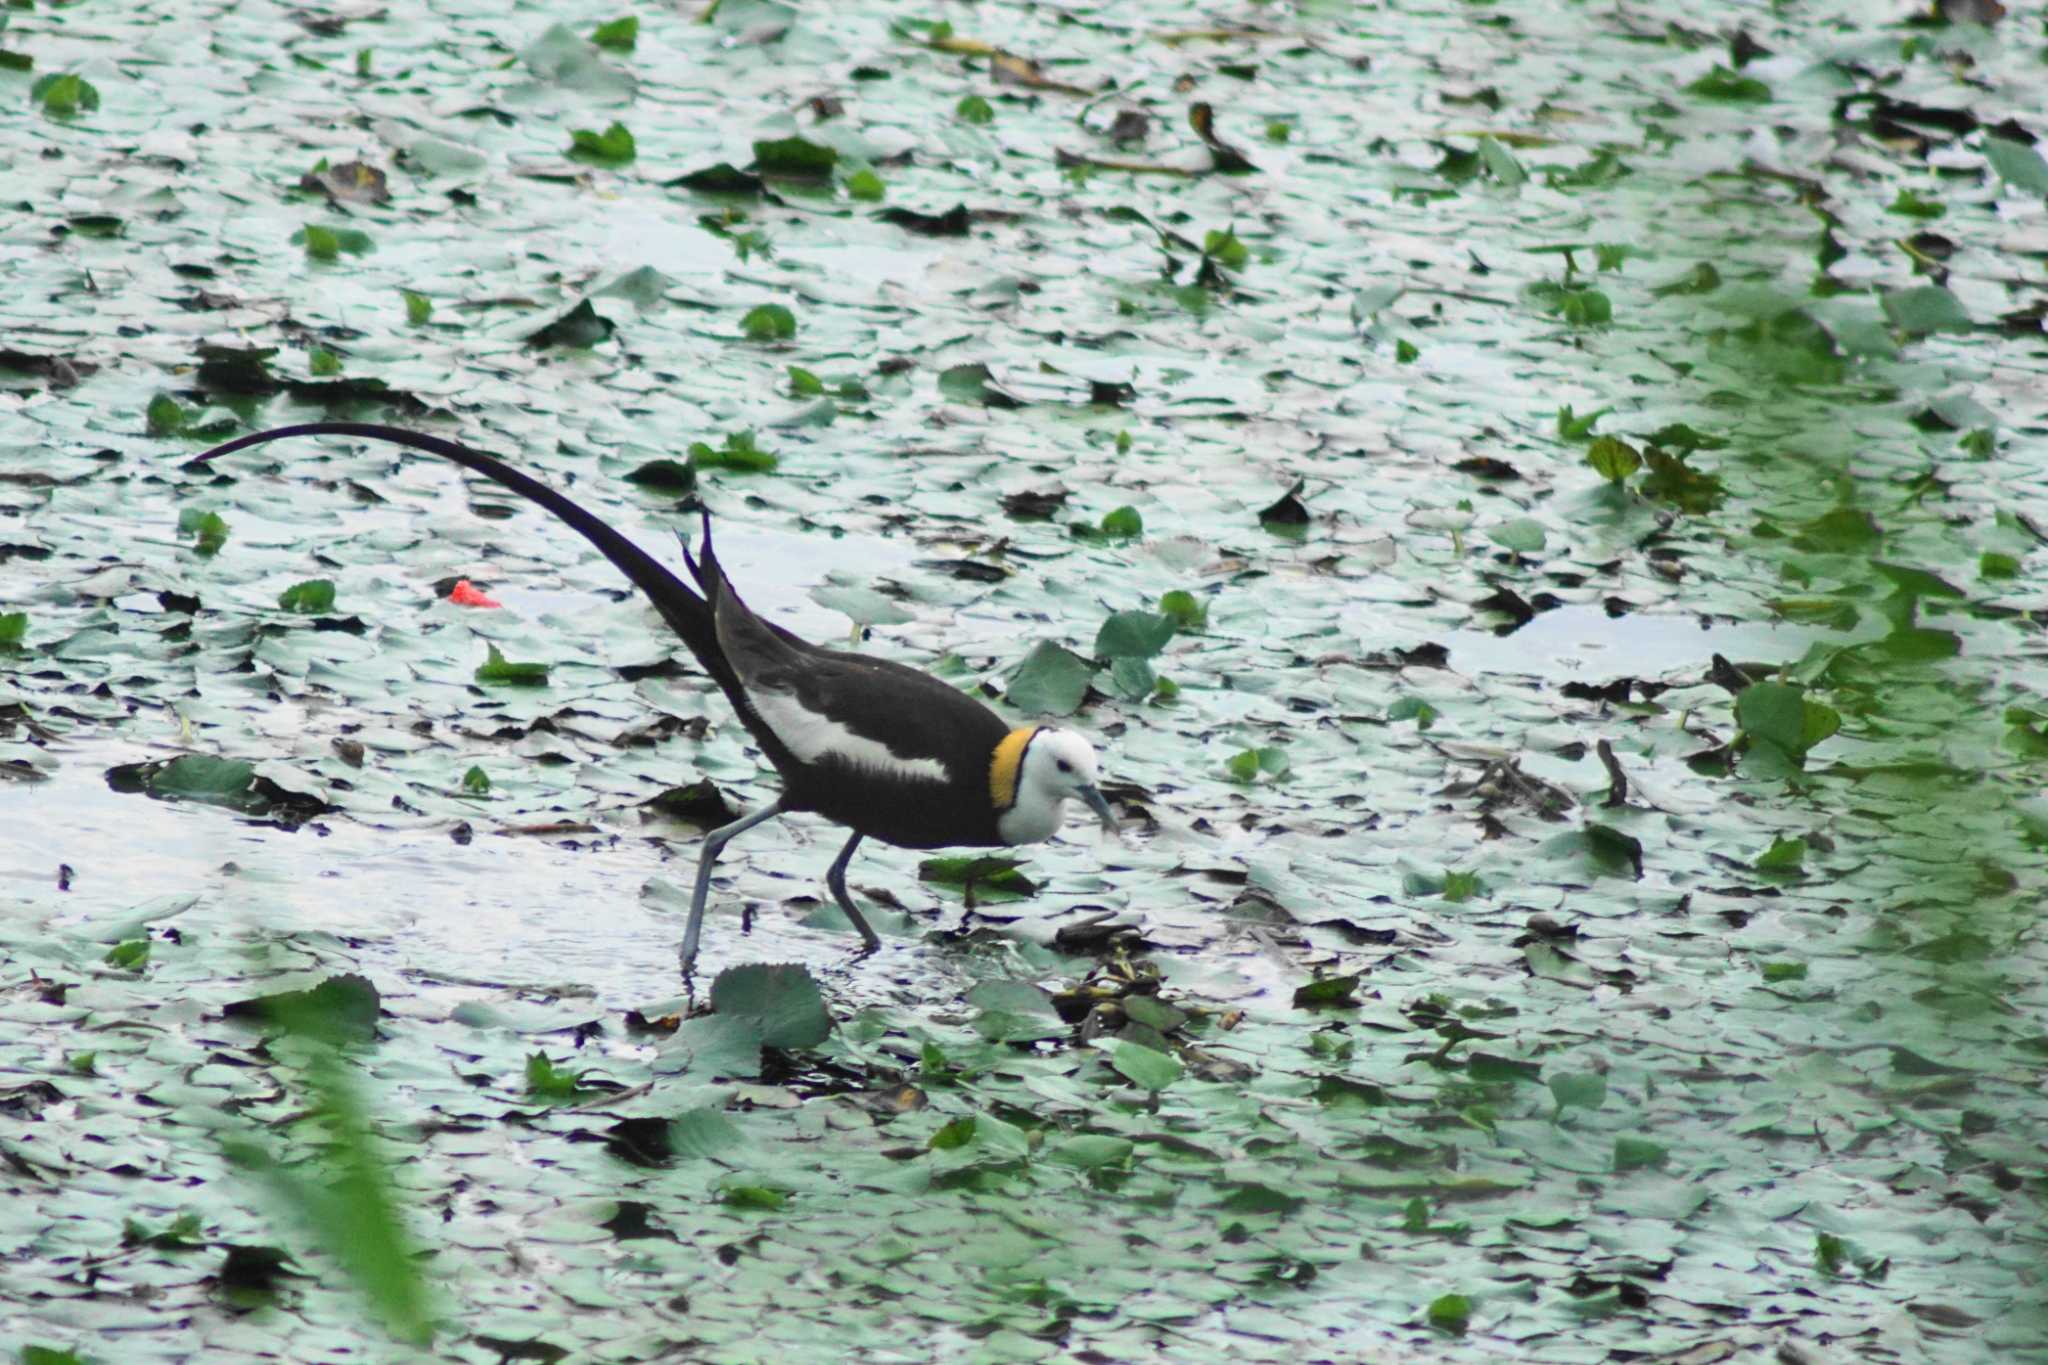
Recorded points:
1065,766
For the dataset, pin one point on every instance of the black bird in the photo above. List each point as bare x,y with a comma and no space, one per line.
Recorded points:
891,753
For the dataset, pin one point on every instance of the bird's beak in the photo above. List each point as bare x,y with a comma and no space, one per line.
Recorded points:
1099,805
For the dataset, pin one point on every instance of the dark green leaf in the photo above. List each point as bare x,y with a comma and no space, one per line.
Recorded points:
1726,86
794,158
1631,1154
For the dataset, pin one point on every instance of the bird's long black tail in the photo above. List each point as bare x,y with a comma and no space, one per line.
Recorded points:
686,612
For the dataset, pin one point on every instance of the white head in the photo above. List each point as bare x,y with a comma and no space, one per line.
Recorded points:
1051,767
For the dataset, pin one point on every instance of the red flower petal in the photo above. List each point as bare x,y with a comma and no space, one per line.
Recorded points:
463,595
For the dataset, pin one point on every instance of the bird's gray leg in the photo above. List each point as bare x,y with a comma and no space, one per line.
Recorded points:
835,877
713,843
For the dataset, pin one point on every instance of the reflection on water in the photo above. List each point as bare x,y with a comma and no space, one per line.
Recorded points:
1583,641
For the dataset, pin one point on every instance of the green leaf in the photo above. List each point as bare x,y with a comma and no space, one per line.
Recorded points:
313,597
321,244
204,777
1328,992
582,326
210,528
1184,609
804,384
1726,86
324,363
129,956
498,671
1783,971
1578,1090
50,1355
418,307
668,475
1052,681
550,1084
1451,1313
769,322
1124,523
1631,1154
612,147
1133,634
1413,708
1092,1152
866,186
781,1000
1775,712
1784,855
476,781
953,1135
346,1204
1613,460
2017,164
702,1133
974,109
1701,279
763,1198
1500,163
63,95
1573,427
1585,308
1405,352
1910,205
1992,564
165,416
1524,535
327,243
1925,309
1145,1067
1224,249
738,452
794,158
1246,765
13,629
1460,886
620,35
1132,678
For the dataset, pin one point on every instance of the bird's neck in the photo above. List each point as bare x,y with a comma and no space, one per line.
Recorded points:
1006,765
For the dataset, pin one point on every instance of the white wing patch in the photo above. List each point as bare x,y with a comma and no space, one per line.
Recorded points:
812,737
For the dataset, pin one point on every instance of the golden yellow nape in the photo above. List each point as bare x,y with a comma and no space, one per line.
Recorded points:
1008,761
